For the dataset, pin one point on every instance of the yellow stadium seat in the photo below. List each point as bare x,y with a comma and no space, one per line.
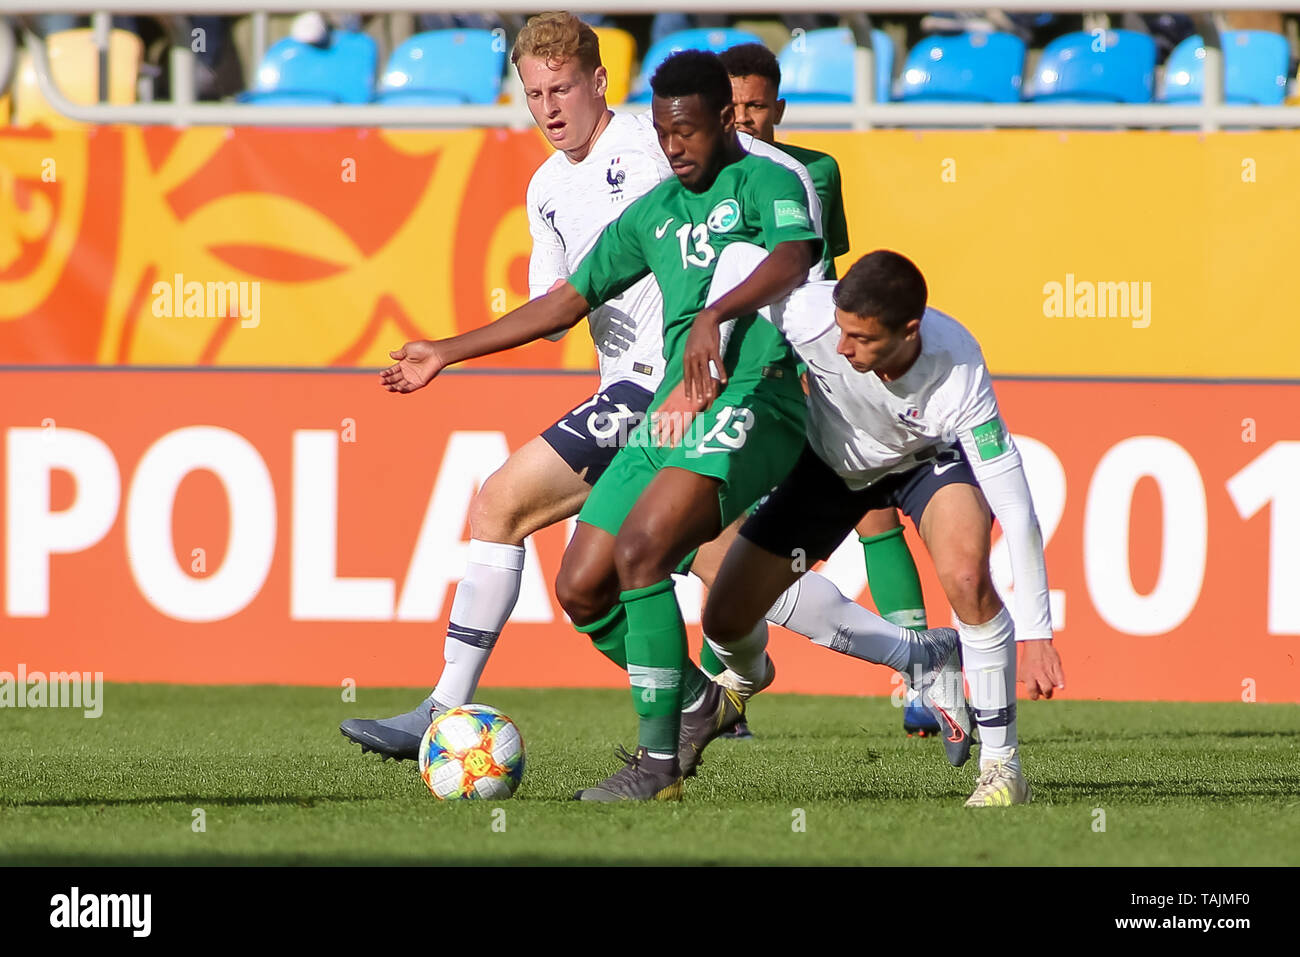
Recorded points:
774,34
74,62
618,54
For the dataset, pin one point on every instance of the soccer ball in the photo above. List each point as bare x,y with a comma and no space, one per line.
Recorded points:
472,752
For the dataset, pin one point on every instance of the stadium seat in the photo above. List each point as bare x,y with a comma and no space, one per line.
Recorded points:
700,39
818,66
443,67
618,54
774,34
1071,70
295,74
1254,69
970,67
74,64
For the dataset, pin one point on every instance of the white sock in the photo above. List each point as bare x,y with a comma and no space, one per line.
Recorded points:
816,609
484,600
989,654
747,658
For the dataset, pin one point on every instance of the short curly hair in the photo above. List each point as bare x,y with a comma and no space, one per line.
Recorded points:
693,73
557,37
752,59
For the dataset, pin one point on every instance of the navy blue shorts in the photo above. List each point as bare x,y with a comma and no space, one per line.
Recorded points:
588,436
814,510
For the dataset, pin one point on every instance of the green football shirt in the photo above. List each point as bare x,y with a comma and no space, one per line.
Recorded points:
677,234
825,173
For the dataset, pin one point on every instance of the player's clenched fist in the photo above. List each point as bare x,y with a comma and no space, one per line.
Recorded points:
417,365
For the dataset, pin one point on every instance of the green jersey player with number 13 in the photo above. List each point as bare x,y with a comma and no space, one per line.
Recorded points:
656,504
891,571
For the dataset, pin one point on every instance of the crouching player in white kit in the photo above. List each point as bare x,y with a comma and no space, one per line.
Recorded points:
901,414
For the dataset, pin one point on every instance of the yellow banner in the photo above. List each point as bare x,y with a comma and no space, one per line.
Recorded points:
1092,253
1146,254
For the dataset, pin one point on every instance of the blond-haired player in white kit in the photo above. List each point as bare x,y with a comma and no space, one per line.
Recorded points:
603,162
901,414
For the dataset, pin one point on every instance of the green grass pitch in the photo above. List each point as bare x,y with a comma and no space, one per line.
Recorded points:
1202,784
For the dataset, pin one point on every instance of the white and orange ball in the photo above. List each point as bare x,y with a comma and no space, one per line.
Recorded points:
473,751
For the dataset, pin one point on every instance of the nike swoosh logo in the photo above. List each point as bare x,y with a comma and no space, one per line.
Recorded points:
957,734
659,233
939,470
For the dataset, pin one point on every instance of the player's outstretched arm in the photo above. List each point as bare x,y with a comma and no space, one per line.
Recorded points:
1007,491
420,362
783,270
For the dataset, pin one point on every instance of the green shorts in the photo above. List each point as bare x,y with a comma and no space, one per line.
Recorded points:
748,439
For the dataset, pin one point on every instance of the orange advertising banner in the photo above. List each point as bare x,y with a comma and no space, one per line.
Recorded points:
1111,254
307,527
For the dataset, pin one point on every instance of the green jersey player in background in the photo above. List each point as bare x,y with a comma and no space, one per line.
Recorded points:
891,571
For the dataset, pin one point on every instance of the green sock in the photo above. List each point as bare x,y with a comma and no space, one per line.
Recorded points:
609,635
709,661
656,653
694,683
893,580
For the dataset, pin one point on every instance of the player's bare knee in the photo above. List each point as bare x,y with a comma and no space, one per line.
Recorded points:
877,522
640,558
583,596
969,591
492,514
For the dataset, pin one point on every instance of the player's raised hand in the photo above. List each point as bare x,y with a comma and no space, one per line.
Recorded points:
1039,668
417,365
702,352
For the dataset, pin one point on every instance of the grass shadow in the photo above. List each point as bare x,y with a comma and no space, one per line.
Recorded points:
193,800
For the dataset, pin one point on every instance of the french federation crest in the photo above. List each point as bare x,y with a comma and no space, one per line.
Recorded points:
615,177
724,217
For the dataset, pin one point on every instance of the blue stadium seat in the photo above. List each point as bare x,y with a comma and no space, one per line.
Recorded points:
818,67
294,74
717,40
1072,71
445,66
1254,69
969,67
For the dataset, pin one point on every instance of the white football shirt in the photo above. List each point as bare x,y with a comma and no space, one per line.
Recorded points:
865,428
756,146
569,205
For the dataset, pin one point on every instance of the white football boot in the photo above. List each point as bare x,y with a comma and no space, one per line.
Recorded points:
1000,785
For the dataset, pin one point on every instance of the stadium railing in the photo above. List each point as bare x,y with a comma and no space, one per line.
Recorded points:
863,113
